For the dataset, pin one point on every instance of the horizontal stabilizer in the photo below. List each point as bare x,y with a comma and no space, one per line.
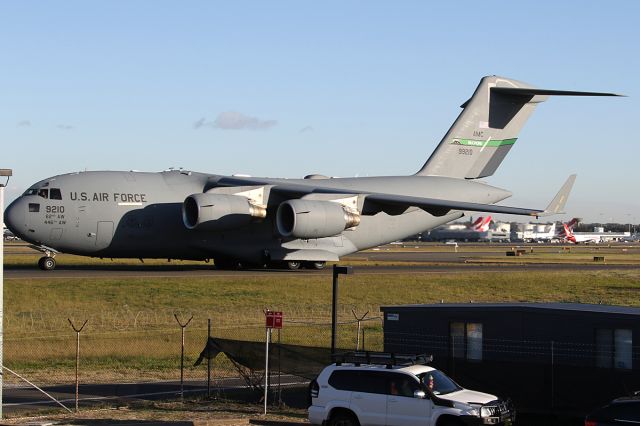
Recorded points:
530,91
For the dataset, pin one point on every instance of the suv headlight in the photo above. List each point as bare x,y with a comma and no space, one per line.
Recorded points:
486,412
466,409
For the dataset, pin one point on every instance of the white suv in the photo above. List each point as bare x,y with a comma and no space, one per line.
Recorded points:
352,394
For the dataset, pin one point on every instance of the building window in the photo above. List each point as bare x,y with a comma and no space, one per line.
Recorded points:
466,340
614,348
474,341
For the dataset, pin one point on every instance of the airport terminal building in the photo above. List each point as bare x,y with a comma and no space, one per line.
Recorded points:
546,356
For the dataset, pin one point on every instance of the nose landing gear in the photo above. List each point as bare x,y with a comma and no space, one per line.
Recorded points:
47,263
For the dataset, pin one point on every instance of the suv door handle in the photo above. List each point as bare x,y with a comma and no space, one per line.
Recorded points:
392,400
357,396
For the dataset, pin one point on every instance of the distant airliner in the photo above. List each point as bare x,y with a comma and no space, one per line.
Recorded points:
246,221
589,237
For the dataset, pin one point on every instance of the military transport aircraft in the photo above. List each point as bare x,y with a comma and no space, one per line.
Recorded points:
239,220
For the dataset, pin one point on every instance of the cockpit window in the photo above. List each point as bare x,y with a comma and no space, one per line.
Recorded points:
55,194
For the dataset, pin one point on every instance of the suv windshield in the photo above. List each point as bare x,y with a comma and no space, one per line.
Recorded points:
438,382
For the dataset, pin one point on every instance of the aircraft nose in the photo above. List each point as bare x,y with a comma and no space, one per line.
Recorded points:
14,217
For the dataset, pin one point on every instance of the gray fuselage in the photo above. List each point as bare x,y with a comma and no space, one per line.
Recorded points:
139,215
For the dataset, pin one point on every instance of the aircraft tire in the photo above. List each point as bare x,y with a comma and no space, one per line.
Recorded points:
47,263
293,265
315,265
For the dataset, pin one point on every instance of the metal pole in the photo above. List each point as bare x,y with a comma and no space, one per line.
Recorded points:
4,173
279,373
334,303
334,306
77,368
208,358
182,326
77,330
266,370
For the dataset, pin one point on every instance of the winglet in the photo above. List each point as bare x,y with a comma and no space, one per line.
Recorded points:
556,206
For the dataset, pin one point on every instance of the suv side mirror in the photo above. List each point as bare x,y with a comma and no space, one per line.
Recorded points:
419,394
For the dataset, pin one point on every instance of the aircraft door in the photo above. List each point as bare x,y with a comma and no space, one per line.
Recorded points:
104,234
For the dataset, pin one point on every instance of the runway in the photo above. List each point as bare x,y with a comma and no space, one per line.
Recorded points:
370,262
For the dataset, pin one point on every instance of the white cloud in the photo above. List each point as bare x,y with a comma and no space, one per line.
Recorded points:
65,127
24,123
306,129
232,120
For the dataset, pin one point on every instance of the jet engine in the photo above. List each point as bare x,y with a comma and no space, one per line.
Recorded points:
314,219
218,212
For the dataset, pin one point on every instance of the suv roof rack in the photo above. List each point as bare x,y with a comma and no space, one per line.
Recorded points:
380,358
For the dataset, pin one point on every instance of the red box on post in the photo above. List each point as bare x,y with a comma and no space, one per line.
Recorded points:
274,319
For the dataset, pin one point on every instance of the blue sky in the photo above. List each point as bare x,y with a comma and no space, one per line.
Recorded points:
288,88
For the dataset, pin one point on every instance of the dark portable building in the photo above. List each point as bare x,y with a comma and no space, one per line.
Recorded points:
546,356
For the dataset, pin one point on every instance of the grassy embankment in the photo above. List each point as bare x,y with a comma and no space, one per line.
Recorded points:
132,331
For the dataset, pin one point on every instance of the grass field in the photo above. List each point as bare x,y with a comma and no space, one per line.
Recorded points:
132,332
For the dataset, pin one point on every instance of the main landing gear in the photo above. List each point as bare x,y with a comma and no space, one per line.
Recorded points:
292,265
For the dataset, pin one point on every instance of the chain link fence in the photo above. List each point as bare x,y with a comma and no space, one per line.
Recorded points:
145,354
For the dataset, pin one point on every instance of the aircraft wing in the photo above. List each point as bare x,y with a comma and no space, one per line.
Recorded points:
396,203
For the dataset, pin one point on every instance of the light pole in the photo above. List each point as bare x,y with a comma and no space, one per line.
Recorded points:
337,270
4,173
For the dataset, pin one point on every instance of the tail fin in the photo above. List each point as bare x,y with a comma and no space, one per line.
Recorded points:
487,128
477,223
488,223
484,227
569,234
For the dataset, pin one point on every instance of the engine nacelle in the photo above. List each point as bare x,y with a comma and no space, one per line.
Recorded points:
314,219
217,212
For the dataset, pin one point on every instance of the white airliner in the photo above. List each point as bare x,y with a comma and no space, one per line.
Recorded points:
597,237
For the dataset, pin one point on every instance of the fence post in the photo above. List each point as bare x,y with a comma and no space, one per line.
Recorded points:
182,326
266,369
359,319
208,359
77,330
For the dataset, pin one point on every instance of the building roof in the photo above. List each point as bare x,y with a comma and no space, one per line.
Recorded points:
524,306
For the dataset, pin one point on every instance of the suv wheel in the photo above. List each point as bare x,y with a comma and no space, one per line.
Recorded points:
344,419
